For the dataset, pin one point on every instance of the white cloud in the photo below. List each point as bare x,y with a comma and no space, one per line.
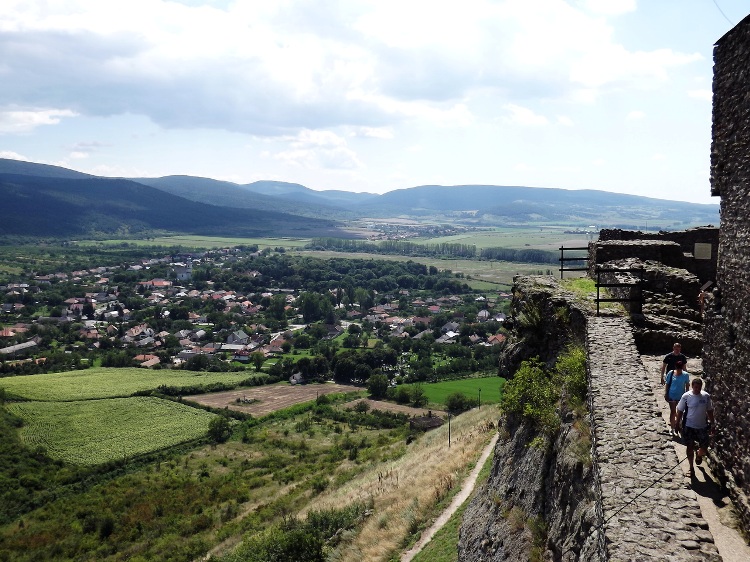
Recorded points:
564,120
610,7
611,64
10,155
319,149
78,155
658,157
385,133
279,67
24,121
524,116
635,115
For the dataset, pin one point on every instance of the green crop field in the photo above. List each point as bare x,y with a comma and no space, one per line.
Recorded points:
491,388
93,432
546,238
108,382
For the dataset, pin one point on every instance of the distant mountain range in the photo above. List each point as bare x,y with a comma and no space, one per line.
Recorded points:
43,200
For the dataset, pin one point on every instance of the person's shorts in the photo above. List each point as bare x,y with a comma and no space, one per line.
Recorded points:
692,435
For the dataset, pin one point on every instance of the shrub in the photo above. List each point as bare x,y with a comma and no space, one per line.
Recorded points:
418,396
571,368
458,402
532,394
218,429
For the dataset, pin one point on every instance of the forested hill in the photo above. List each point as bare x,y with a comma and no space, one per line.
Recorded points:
488,205
529,204
65,207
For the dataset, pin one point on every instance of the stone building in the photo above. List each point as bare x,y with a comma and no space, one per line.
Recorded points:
727,318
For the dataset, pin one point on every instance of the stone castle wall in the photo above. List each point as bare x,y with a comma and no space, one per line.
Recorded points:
695,249
727,320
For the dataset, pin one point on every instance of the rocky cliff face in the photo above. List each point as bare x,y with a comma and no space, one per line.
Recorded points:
544,320
540,500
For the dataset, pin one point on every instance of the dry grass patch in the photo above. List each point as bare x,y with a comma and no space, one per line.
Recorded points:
406,492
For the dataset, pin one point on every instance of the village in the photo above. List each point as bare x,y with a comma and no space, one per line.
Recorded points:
237,309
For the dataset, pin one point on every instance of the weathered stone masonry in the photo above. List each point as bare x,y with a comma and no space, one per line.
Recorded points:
631,451
726,358
694,249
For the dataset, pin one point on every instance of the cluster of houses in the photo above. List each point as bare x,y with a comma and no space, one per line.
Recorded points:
103,316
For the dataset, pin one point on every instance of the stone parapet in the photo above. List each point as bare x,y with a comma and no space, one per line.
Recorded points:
662,251
699,246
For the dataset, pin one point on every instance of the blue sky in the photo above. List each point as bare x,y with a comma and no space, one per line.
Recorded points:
369,95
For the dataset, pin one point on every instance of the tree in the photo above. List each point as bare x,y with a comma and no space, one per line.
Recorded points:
257,358
377,386
343,372
320,367
418,396
351,340
198,362
277,307
456,403
88,310
362,372
218,429
402,395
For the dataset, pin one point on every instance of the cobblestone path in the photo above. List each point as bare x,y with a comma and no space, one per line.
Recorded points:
664,521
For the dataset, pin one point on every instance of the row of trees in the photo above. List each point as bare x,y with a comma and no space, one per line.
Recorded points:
445,249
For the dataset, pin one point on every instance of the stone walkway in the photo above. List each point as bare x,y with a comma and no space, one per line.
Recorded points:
716,506
648,512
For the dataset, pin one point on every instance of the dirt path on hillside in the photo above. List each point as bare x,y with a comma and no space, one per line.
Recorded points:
716,507
466,489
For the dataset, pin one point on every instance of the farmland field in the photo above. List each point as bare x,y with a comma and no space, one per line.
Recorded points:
108,382
490,387
547,238
263,400
93,432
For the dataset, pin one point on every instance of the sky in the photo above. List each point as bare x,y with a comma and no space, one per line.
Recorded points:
370,96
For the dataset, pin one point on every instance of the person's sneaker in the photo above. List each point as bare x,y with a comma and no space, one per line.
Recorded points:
698,458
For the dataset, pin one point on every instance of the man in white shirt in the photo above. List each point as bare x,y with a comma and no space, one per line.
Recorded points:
700,411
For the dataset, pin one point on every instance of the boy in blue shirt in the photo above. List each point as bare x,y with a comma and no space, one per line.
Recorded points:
677,384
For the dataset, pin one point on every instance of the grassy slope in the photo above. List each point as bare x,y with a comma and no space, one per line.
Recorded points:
407,492
444,544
